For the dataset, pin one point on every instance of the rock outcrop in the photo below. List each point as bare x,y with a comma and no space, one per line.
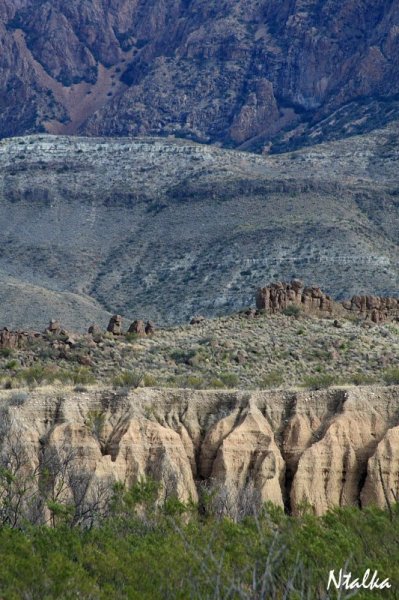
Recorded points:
54,328
279,296
115,325
16,339
141,328
138,328
374,308
329,448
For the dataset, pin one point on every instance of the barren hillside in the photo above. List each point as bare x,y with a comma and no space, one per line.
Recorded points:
165,229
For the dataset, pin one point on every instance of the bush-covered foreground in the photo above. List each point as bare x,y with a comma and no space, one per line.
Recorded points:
139,551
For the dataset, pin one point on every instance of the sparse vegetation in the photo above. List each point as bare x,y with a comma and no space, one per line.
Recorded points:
271,380
391,376
228,352
292,311
319,382
128,379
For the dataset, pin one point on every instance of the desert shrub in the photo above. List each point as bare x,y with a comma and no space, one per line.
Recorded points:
5,352
33,375
391,376
319,381
128,379
18,399
194,382
229,380
82,376
178,555
149,380
12,364
132,337
362,379
292,311
95,422
216,384
271,380
182,356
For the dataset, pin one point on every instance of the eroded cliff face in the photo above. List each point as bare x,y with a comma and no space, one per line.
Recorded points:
327,448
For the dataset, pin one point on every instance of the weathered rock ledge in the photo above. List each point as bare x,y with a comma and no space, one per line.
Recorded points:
328,448
277,297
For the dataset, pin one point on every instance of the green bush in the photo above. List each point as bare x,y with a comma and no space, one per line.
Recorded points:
82,376
271,380
128,379
195,382
12,364
362,379
292,311
319,381
132,337
5,352
149,380
229,380
33,375
144,551
391,376
216,384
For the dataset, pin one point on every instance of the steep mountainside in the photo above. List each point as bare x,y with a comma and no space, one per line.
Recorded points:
331,448
166,229
236,72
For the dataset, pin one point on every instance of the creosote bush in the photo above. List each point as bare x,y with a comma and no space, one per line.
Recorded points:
128,379
319,381
391,376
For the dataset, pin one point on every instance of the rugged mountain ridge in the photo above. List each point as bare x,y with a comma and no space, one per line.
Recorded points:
165,229
328,448
238,72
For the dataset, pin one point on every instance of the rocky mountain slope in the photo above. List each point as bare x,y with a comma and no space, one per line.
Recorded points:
165,229
250,350
237,72
332,448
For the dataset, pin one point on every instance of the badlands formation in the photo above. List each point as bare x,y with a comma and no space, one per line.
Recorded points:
336,447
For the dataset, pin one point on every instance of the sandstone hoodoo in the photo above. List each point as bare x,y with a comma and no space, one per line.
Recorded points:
150,328
279,296
94,330
115,325
374,308
54,327
137,327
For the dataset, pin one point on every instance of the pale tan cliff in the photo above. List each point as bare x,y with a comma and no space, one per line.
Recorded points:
328,448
